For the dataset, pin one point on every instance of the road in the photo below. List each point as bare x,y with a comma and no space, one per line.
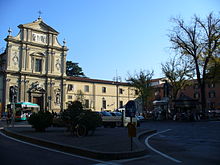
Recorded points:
188,142
14,152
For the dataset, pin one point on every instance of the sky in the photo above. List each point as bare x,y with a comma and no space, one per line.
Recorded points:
108,38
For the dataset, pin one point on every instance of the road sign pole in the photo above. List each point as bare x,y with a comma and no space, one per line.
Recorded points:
131,136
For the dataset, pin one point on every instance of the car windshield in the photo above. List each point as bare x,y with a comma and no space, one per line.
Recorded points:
104,113
118,113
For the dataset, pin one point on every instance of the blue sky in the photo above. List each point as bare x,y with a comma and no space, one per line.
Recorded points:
105,36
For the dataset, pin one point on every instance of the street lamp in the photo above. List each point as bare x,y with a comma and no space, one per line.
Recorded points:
103,102
116,81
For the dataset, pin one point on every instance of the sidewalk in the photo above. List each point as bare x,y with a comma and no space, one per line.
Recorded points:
105,144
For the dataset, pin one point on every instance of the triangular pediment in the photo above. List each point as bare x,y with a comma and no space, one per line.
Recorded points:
39,25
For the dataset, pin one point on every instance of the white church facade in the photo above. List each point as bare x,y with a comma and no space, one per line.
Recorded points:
35,62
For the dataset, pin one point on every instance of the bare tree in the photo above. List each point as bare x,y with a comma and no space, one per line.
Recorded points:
178,72
142,82
214,70
199,43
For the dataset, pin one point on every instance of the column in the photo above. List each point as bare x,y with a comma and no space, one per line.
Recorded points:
9,56
25,90
21,91
6,91
23,57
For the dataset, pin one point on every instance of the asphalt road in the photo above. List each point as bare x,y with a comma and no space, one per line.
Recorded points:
188,142
13,152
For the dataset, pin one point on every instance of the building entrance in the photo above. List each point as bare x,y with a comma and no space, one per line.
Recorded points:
39,101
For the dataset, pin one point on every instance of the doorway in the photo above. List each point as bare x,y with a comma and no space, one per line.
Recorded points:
39,101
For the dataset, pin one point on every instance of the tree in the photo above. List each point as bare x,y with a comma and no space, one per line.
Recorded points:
178,72
142,82
214,70
73,69
198,43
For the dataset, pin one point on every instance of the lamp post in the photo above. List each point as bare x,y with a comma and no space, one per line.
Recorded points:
116,81
102,103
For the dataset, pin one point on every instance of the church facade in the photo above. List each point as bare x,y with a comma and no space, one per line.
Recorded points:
35,62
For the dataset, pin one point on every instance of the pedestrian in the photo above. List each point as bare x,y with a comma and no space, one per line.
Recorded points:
8,118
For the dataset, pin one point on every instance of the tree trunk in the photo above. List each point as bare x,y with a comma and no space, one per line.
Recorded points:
203,96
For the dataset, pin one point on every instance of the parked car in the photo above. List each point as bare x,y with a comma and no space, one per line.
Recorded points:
116,113
141,118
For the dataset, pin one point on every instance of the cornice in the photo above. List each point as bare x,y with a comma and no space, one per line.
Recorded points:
33,74
36,44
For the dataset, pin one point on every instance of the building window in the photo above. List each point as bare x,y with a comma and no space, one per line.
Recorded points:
121,104
211,85
196,95
136,92
70,97
121,91
86,88
212,94
196,86
86,103
70,87
104,104
103,89
211,105
38,65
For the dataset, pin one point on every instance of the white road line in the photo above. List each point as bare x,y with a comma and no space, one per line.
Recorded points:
53,150
107,163
162,154
132,159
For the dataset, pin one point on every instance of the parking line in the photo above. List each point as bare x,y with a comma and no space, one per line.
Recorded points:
160,153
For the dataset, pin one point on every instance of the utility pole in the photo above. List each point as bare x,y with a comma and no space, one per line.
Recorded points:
117,79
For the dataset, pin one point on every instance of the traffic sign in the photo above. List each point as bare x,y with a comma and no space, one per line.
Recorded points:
130,109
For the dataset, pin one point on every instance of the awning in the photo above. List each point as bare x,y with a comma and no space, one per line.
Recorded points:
27,105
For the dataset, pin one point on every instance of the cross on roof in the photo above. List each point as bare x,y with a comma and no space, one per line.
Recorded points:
39,12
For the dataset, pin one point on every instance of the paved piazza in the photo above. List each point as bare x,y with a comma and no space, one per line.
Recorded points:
187,142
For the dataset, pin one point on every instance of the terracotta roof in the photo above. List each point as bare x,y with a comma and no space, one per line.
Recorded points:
157,79
85,79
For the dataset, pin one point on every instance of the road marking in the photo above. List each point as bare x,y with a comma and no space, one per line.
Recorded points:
162,154
132,159
53,150
107,163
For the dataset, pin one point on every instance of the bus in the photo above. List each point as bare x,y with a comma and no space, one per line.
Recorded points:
23,110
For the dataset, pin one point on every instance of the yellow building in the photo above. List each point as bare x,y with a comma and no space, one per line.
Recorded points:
35,62
99,94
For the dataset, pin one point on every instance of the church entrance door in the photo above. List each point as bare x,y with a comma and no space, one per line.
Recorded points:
39,101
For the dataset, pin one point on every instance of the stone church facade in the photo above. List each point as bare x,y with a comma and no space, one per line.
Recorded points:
35,62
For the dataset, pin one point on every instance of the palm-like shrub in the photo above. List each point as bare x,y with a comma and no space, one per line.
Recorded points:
76,115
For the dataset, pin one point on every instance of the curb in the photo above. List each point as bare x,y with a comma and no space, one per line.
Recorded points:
85,152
